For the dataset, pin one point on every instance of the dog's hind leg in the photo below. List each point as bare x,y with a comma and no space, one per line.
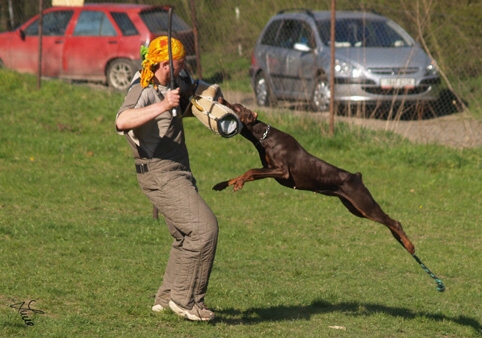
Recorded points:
359,201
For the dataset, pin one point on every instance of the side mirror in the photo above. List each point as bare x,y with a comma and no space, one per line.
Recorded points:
21,33
301,47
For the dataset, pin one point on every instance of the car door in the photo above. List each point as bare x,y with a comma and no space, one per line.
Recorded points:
300,59
24,53
92,43
276,58
270,55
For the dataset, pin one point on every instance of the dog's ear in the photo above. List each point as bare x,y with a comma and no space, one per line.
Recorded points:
239,108
226,103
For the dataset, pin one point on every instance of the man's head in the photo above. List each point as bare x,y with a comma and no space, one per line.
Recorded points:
157,55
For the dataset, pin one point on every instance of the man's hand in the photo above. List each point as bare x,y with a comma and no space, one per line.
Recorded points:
172,98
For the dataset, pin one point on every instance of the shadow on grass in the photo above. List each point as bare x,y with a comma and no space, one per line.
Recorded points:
283,313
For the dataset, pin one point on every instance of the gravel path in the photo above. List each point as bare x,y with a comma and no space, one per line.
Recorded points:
456,131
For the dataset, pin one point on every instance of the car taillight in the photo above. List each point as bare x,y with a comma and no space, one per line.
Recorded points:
253,60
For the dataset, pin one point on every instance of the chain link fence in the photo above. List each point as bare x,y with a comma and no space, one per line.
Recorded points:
224,34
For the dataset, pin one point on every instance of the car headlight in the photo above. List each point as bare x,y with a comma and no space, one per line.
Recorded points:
432,69
343,68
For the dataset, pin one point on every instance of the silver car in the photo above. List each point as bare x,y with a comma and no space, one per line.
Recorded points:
376,61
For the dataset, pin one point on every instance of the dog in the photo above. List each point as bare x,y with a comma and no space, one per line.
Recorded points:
285,160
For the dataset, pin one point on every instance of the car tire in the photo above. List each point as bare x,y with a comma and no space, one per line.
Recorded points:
320,97
262,91
120,73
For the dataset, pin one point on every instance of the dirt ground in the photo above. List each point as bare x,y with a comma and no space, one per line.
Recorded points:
457,130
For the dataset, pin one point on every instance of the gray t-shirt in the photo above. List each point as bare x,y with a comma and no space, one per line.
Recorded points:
162,137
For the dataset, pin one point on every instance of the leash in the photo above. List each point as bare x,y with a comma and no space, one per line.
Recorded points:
440,284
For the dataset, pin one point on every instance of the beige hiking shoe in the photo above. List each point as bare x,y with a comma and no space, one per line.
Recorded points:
196,313
160,306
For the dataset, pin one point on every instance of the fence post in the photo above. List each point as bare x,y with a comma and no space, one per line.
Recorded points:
332,68
40,25
196,39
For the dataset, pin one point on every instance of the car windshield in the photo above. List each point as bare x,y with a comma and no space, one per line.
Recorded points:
54,24
361,32
157,21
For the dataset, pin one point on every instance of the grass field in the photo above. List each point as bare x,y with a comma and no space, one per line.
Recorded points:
77,234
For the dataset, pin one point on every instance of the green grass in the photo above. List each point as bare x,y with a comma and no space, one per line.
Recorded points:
230,70
77,234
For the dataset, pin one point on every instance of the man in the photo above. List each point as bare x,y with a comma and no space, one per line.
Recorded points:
164,175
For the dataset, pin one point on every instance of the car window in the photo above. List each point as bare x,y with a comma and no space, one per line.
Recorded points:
157,21
285,33
289,33
305,35
362,33
269,37
124,23
94,23
53,24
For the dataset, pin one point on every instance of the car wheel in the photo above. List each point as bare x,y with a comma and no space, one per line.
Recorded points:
120,73
320,98
264,96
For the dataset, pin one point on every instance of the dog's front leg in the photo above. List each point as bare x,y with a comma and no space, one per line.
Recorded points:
251,175
221,185
238,183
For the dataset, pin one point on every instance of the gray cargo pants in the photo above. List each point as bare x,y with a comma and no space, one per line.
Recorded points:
171,188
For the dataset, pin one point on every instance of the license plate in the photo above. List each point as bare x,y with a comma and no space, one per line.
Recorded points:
397,83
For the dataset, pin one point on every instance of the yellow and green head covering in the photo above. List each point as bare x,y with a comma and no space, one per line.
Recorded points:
158,52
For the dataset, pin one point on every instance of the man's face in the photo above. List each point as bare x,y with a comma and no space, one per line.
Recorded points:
178,66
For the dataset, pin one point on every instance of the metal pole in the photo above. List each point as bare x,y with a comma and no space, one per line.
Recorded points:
10,15
40,34
332,68
196,40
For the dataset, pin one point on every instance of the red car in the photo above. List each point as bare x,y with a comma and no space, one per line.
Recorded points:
94,42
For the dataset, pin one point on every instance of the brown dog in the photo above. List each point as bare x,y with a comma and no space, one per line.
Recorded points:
285,160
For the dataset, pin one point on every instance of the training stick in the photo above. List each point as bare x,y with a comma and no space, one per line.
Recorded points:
169,50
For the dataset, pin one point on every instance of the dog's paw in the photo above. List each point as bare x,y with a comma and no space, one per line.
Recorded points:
238,185
221,186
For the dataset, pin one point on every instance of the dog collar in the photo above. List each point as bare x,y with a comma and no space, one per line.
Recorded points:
265,133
